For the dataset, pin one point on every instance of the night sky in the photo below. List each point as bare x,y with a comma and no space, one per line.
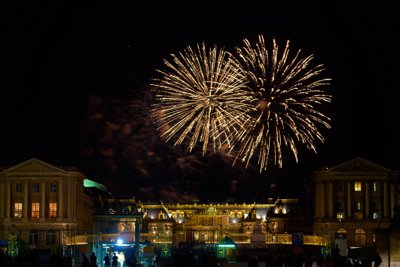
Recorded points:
70,73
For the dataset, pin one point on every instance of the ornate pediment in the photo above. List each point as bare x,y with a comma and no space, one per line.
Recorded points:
33,166
359,164
211,211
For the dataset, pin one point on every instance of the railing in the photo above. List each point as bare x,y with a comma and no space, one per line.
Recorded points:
287,239
76,240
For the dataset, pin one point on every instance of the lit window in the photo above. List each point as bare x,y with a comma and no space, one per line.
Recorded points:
53,187
53,209
375,187
377,206
35,187
357,186
358,214
340,215
50,238
35,210
17,210
18,187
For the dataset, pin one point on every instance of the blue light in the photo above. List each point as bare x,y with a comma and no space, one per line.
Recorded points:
226,245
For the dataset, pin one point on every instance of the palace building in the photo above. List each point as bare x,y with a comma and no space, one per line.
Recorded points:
43,206
54,208
356,200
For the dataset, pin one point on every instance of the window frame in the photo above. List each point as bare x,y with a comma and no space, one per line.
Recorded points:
18,187
357,186
18,209
35,210
35,187
50,238
33,238
53,187
53,209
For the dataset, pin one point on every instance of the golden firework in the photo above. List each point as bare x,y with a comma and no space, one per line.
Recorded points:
201,98
287,92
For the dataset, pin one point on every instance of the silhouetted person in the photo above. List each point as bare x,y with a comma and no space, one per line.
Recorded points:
377,260
3,256
85,261
114,262
107,260
132,261
93,260
336,252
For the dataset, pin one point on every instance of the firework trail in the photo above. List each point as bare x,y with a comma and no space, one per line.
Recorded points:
287,91
201,98
257,104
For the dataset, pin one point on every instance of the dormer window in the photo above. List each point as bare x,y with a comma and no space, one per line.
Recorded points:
160,215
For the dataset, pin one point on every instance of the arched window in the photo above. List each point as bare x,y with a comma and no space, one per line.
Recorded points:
160,215
359,239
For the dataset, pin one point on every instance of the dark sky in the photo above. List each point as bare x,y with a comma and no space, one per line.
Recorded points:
69,72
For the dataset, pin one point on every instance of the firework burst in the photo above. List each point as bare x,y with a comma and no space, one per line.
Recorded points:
287,92
201,98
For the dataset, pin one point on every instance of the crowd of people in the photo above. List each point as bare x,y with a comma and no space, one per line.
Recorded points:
111,260
273,259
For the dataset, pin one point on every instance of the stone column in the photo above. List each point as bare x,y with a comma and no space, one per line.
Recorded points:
367,201
349,202
69,201
320,203
25,207
43,200
392,199
137,235
322,199
60,199
330,199
385,200
73,196
316,202
8,200
1,200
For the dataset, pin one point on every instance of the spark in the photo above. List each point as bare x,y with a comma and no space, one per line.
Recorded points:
288,90
201,98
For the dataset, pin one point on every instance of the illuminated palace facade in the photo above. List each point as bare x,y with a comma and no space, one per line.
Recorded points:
48,207
358,199
42,206
247,224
